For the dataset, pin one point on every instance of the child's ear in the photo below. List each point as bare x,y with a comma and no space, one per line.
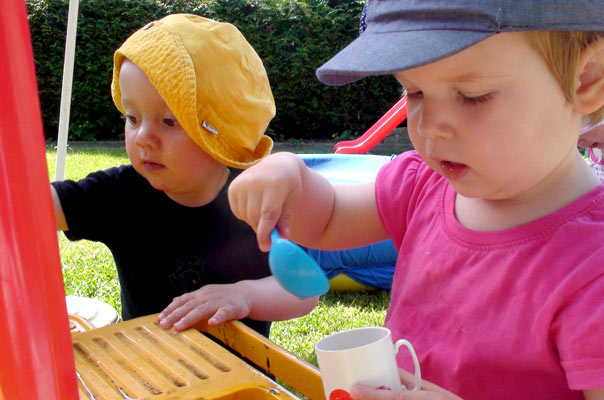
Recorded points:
589,86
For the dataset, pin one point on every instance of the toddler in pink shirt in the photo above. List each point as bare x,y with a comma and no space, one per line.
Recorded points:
497,218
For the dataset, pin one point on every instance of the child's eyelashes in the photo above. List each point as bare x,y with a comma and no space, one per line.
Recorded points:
411,96
466,100
130,119
171,122
475,100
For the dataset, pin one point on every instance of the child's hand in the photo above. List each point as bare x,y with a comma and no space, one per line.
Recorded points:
261,299
219,303
429,391
265,195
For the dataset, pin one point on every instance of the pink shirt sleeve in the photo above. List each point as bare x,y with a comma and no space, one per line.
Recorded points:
579,329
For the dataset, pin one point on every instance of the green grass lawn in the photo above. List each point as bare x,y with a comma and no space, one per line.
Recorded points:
89,270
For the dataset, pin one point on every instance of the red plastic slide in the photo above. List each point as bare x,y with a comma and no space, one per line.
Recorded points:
36,357
377,132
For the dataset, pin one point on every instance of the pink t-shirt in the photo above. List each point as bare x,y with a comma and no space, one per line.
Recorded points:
513,314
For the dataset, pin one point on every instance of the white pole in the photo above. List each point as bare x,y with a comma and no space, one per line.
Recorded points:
72,25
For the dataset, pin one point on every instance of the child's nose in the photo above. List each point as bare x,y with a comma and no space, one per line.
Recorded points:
431,121
146,135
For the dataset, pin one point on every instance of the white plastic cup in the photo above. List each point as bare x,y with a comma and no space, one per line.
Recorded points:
364,356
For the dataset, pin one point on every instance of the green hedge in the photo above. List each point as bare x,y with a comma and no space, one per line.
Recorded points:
293,37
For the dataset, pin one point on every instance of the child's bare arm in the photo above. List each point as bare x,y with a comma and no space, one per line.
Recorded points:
262,299
59,215
281,191
269,301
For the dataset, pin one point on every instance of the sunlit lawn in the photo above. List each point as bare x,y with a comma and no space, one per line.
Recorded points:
89,270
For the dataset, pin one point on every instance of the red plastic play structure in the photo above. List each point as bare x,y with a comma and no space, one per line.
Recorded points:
35,347
377,132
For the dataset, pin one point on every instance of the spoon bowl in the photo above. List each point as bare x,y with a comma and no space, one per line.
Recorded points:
295,269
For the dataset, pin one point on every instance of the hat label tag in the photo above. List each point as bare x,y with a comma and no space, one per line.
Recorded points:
209,127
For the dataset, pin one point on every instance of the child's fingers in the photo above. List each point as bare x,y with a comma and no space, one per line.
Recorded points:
238,205
239,193
216,317
429,391
192,317
271,211
176,303
408,379
253,207
246,202
264,193
228,312
289,205
360,392
220,316
265,227
170,317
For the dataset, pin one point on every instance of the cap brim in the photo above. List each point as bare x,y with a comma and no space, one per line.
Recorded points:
384,53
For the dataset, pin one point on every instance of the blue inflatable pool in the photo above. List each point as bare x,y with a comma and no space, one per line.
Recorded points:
369,266
346,168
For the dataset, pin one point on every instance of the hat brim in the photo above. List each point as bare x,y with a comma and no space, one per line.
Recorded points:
375,53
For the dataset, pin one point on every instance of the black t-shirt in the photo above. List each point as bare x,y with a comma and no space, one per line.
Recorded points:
161,248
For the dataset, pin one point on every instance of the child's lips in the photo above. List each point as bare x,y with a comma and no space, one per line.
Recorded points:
453,171
152,166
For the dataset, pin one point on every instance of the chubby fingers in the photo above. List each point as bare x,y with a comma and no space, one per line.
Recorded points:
274,212
186,316
429,391
169,314
177,313
213,312
360,392
219,303
265,195
226,313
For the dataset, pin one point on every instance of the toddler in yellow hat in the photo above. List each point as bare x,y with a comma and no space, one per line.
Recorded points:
196,101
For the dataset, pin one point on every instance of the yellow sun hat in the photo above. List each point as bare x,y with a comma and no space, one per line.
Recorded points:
211,79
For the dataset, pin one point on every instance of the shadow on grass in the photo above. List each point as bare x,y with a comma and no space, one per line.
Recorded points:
377,299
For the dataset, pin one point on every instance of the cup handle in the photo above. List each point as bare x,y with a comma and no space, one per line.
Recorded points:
418,374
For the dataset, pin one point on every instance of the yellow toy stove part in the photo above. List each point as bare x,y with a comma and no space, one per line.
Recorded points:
139,360
297,373
344,283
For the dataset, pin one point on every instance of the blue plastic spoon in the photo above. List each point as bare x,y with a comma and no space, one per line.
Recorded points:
295,269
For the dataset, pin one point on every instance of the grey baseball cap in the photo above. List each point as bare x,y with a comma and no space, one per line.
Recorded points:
403,34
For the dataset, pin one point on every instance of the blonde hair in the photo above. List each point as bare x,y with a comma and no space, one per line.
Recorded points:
561,51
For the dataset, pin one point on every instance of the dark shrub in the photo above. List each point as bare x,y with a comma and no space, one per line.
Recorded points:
293,37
